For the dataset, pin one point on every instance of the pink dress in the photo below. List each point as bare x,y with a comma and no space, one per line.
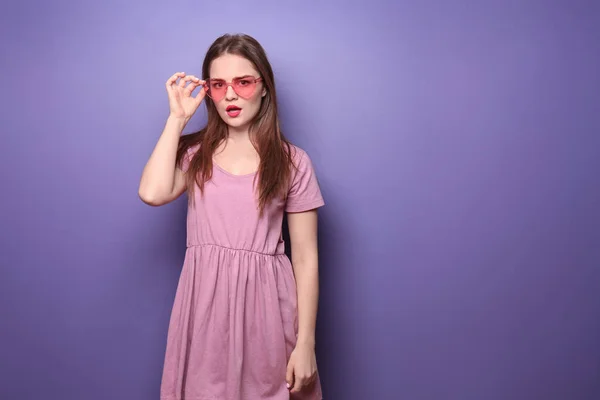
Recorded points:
234,321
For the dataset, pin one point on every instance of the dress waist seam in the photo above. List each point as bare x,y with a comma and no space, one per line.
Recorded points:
189,245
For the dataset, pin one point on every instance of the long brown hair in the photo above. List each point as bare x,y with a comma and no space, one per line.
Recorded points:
273,148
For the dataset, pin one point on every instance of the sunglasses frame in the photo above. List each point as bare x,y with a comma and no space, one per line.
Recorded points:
227,84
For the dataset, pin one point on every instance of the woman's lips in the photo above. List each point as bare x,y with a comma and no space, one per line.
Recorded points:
233,111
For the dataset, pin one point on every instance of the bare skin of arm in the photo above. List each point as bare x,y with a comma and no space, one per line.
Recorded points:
303,238
162,180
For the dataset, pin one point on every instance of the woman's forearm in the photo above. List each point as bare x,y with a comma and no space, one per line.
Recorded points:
307,284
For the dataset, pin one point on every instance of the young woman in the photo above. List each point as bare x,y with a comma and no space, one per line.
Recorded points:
243,320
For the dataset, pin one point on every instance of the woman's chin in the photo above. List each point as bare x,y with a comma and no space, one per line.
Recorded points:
235,122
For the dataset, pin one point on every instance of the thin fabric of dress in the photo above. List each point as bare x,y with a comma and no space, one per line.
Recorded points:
234,319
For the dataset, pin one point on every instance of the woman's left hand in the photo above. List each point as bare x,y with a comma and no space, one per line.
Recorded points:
302,368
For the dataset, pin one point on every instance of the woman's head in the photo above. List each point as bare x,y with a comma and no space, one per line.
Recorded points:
240,84
239,75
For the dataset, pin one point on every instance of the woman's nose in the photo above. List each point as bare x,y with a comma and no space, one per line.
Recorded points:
230,94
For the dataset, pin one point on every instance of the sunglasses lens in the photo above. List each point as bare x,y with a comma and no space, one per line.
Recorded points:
244,87
217,88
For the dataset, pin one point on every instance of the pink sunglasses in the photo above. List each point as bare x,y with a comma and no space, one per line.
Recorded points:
244,87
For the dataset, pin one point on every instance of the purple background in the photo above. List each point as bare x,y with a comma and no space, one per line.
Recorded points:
457,145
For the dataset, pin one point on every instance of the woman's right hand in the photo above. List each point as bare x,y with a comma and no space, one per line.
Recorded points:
181,102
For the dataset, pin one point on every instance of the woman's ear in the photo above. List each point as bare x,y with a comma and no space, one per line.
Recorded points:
264,92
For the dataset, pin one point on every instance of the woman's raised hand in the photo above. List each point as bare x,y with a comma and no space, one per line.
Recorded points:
181,102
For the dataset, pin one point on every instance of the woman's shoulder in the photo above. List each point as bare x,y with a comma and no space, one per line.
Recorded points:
193,149
186,153
298,155
304,192
190,142
301,160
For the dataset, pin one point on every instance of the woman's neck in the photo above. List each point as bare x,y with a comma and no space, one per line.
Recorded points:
238,135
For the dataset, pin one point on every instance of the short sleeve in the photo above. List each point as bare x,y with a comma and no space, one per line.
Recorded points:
305,193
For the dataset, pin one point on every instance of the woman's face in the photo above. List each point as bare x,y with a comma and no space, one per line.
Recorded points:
233,89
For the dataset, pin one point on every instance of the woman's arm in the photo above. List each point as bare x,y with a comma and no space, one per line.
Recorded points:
303,237
162,181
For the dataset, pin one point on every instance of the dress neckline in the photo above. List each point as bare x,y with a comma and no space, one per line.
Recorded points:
232,174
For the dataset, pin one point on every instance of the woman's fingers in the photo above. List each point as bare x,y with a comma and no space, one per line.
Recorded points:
194,83
183,81
173,79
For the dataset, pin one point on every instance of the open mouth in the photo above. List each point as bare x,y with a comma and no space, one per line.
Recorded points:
233,111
